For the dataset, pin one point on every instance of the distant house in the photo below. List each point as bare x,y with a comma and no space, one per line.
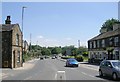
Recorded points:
11,45
106,45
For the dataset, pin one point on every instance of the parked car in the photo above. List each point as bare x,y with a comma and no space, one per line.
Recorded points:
53,57
41,58
71,62
46,57
110,68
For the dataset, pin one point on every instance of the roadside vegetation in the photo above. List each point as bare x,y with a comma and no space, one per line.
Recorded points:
36,51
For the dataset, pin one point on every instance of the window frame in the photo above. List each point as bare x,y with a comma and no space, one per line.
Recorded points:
17,39
18,56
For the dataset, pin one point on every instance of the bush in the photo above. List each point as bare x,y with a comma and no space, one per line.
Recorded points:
67,57
97,61
79,58
64,57
85,54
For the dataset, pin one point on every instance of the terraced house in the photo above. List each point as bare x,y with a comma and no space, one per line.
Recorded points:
106,45
11,45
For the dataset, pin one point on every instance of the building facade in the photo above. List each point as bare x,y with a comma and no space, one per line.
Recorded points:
106,45
11,45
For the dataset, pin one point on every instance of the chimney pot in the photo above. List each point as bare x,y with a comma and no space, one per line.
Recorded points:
8,21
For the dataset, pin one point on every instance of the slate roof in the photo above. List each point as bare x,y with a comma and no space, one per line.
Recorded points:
9,27
106,34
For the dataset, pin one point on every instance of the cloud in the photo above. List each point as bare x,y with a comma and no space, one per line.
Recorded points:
40,37
52,42
68,38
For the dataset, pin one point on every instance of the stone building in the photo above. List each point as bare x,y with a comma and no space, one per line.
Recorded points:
106,45
11,45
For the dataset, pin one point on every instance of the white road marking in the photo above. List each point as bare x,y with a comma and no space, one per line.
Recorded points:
56,76
91,76
28,78
61,71
84,66
87,74
60,75
84,73
4,75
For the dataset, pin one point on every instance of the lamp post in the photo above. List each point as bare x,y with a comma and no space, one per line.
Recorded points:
22,32
23,15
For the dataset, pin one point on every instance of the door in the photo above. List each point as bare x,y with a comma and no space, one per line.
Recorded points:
14,58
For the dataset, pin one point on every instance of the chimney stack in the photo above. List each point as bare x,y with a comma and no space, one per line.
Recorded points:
8,21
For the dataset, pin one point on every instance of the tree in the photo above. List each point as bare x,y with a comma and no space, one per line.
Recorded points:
108,25
74,51
56,50
81,50
45,51
38,53
64,49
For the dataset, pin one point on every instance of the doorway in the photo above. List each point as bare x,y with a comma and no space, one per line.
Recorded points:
14,58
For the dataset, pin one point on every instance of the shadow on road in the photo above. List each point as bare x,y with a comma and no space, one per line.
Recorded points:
70,66
108,78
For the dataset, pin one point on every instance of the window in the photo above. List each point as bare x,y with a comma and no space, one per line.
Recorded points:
117,55
116,41
90,44
111,41
103,63
103,43
108,64
18,57
100,56
94,44
98,43
17,39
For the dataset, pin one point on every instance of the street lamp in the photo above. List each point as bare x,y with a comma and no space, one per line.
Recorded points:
22,32
23,16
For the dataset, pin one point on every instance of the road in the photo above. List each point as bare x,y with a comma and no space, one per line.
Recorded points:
51,69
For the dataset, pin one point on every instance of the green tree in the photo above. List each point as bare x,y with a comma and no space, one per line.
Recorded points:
56,50
45,51
81,50
64,49
108,25
38,53
74,51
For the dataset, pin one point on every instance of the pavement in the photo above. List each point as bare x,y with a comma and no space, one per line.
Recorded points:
27,65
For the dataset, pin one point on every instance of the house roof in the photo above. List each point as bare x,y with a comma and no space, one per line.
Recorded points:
9,27
106,34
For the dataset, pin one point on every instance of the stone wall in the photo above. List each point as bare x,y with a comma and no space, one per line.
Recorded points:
6,48
16,47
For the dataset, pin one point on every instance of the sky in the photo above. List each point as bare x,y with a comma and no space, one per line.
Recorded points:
60,23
